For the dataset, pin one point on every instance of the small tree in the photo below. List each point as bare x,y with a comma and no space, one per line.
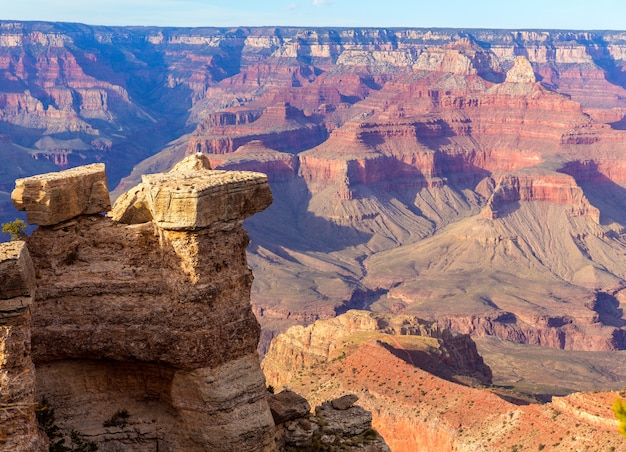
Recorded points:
16,229
619,408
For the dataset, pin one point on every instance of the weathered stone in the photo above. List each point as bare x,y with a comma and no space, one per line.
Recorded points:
344,402
299,433
157,322
131,207
521,72
17,276
18,425
224,408
351,422
287,405
194,162
18,428
190,200
52,198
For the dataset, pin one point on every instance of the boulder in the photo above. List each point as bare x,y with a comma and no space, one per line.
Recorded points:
17,276
132,207
191,200
52,198
344,402
350,422
195,162
287,405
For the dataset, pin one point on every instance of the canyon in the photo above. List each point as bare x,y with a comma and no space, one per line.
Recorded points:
429,390
469,178
134,330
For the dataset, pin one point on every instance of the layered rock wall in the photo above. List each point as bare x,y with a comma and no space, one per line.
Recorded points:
153,319
18,426
555,188
302,347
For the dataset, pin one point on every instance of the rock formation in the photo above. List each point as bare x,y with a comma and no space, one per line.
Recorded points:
143,336
18,426
53,198
418,410
152,320
336,424
521,72
304,347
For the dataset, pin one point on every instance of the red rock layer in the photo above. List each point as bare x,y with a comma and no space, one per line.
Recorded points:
417,411
555,188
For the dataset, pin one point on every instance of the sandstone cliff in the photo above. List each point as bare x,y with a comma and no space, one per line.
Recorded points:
18,426
151,319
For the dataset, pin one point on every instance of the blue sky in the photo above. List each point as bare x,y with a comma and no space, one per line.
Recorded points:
562,14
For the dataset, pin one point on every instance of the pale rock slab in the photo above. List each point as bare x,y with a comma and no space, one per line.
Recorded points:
52,198
191,200
195,162
131,207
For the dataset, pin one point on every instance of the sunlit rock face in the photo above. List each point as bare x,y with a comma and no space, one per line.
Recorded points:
155,318
18,426
52,198
423,387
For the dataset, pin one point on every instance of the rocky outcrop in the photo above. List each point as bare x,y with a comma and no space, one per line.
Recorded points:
555,188
181,201
281,127
18,425
255,156
336,425
168,336
52,198
418,411
302,347
521,72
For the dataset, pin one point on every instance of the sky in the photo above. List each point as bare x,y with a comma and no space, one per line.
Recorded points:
515,14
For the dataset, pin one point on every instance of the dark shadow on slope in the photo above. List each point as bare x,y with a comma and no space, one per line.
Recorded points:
602,192
608,310
288,224
361,298
439,366
619,125
423,360
615,73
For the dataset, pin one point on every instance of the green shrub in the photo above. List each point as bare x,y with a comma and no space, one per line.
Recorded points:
16,229
47,421
619,408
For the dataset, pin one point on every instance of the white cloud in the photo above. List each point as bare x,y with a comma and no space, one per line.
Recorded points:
320,2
